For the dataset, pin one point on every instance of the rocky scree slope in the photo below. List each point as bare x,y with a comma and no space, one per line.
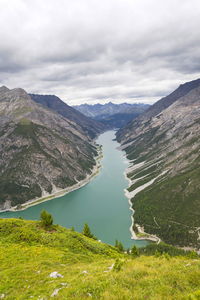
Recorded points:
90,127
40,151
164,146
112,115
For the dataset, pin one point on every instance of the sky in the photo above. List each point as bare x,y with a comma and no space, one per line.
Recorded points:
90,51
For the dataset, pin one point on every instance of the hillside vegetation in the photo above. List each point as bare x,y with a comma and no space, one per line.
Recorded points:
163,144
39,263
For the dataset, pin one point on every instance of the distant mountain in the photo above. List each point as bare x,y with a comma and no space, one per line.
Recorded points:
164,146
40,150
112,115
89,126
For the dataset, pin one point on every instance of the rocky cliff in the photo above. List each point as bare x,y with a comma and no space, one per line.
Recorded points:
164,146
40,150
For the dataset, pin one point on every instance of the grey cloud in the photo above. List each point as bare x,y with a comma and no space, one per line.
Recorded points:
91,50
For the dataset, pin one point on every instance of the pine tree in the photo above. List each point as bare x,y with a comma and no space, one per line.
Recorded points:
119,246
134,251
87,232
46,219
116,243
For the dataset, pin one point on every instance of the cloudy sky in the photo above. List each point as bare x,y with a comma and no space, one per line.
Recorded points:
99,50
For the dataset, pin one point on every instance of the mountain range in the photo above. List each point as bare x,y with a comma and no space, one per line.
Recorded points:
41,150
163,145
112,115
46,145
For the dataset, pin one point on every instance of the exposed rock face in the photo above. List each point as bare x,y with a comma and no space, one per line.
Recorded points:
90,127
152,111
40,150
113,115
165,143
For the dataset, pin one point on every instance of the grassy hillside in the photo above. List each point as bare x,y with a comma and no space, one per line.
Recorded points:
88,269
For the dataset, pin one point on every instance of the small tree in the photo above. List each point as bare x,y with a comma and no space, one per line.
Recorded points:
119,246
134,251
87,232
46,219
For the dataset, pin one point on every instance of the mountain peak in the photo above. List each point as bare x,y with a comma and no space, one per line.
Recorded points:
4,89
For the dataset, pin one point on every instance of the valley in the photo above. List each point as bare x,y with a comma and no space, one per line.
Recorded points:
100,150
51,154
101,203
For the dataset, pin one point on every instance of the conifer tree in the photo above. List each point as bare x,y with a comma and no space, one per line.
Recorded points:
87,232
134,251
46,219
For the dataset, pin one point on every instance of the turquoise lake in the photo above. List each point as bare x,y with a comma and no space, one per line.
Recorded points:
101,203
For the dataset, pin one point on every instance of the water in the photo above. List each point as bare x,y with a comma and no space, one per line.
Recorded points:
101,203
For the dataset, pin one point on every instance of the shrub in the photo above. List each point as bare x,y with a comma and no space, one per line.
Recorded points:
117,265
46,219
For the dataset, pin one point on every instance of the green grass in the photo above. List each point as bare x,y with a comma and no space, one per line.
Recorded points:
29,254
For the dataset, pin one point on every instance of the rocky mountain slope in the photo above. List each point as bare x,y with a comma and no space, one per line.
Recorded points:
70,265
112,115
40,150
89,126
164,146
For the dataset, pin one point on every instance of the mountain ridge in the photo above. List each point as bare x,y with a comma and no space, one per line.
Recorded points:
164,149
89,126
112,115
162,104
40,149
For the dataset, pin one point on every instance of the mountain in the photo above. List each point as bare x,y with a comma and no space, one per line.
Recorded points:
40,150
163,145
158,107
89,126
60,263
112,115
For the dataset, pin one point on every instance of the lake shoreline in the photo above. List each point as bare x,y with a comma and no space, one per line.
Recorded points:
96,203
62,192
141,235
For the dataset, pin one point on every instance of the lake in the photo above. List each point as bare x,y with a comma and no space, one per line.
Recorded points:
101,203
